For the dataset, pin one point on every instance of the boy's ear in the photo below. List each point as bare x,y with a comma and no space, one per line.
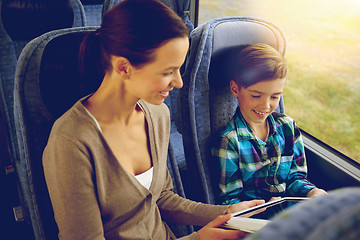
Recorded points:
122,66
234,87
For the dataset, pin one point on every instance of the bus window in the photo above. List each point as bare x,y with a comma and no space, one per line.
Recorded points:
322,92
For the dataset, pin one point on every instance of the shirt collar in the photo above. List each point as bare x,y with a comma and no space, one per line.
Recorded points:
243,129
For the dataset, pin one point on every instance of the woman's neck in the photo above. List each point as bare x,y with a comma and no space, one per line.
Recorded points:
110,103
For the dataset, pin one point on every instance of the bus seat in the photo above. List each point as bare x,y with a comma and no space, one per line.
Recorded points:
207,105
20,22
7,71
93,11
108,4
329,217
23,20
47,83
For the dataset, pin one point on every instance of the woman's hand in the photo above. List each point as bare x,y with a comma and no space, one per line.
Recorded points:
316,192
212,230
244,205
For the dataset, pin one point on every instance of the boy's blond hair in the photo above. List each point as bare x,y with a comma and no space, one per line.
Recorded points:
258,62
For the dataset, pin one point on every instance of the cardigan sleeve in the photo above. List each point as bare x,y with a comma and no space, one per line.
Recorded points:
179,210
192,236
69,177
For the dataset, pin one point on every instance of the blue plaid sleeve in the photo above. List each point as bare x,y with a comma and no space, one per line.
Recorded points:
297,179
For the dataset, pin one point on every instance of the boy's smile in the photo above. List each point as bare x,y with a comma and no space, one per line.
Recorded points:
260,114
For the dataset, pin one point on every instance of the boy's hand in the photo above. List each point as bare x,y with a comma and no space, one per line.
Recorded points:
244,205
274,198
316,192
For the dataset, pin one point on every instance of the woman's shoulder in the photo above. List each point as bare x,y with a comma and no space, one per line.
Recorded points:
74,122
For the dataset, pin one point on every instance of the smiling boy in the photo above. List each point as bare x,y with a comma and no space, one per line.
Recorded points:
260,152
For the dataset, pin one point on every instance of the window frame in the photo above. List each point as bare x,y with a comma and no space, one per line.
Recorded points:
337,169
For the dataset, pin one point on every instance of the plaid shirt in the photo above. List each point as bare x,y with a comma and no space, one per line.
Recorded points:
253,169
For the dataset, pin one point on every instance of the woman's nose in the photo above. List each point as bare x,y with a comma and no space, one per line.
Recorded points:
177,81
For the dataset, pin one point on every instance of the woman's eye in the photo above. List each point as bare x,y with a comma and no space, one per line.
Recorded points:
255,96
167,73
275,97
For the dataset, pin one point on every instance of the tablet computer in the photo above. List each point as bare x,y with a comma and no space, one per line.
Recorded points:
241,220
287,200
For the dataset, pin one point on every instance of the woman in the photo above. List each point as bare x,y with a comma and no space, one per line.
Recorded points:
105,161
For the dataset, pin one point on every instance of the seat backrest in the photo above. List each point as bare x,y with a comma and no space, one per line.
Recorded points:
206,106
47,83
20,22
181,7
23,20
93,11
7,71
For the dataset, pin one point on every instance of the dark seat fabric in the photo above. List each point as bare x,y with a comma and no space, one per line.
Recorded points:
207,104
20,22
93,11
47,83
8,61
23,20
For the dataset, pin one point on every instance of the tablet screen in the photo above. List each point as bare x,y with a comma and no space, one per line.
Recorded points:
271,208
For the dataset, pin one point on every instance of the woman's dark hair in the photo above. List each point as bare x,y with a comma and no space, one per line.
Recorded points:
132,29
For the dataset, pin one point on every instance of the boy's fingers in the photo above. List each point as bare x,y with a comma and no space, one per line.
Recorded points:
256,202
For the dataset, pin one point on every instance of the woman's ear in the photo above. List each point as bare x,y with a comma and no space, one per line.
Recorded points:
122,67
234,87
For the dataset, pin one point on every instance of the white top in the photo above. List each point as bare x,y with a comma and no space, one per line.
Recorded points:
145,178
93,118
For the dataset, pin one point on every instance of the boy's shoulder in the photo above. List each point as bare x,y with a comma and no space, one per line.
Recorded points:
235,127
281,119
227,128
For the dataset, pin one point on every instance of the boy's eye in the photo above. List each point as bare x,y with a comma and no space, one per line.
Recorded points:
255,96
275,97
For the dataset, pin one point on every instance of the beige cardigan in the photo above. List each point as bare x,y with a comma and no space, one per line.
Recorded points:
95,198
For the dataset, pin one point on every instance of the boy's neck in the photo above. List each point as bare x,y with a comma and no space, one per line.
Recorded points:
261,130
